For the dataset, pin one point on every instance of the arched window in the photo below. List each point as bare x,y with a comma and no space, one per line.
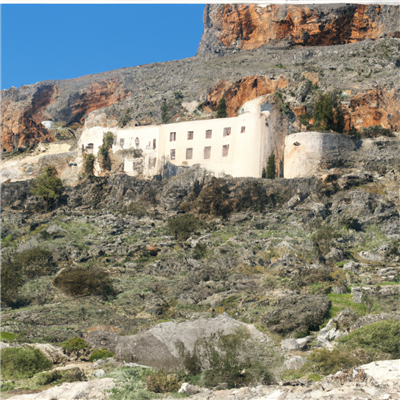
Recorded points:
137,142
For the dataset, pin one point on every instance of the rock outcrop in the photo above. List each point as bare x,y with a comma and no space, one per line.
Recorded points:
91,390
24,109
232,27
164,345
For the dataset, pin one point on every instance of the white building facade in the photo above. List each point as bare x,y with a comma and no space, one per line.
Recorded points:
237,146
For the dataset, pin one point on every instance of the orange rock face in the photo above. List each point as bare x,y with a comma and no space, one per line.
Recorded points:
231,27
375,107
246,89
21,120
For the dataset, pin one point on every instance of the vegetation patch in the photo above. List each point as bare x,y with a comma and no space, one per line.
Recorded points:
162,382
100,355
182,226
379,337
17,362
74,344
85,282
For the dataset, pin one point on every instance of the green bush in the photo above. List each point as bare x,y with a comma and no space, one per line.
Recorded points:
11,281
100,354
85,282
7,336
329,362
6,386
221,111
182,226
88,164
48,186
379,337
17,362
34,262
51,377
375,131
161,382
74,344
233,359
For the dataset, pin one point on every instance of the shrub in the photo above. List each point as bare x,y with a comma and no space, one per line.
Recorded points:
182,226
48,186
17,362
84,282
88,164
231,362
221,111
6,386
11,282
100,354
7,336
74,344
34,262
329,362
375,131
379,337
199,251
161,382
70,375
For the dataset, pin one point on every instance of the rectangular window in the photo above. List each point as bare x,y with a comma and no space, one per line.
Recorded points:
207,152
121,142
190,135
89,146
154,143
208,134
225,150
189,154
172,154
172,136
243,129
115,141
227,131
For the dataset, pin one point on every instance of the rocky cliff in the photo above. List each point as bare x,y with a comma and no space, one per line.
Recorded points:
232,27
367,72
23,109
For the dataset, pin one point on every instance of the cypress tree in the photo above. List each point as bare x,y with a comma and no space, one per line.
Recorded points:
271,167
221,112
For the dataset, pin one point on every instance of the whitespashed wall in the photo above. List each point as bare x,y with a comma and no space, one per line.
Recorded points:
309,153
241,153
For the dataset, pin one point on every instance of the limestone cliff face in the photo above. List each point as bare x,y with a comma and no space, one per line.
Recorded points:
23,109
239,92
232,27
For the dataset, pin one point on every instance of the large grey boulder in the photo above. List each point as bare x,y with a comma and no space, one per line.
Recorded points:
163,345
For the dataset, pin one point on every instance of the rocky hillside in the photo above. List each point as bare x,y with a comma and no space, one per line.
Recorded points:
366,72
292,280
233,27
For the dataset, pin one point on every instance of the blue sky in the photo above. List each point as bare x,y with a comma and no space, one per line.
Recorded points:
59,41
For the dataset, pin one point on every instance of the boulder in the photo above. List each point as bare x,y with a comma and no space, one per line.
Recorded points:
295,344
53,353
163,345
91,390
295,362
56,231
